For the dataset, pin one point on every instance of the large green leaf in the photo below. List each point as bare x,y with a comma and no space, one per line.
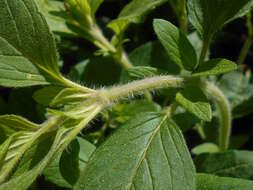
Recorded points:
209,16
149,152
134,12
179,49
210,182
25,42
228,164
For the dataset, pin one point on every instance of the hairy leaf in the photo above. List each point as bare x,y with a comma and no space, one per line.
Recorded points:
13,123
149,152
134,12
25,42
179,49
21,142
215,67
232,163
210,182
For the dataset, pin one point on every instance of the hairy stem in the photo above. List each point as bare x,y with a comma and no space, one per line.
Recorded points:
225,117
140,87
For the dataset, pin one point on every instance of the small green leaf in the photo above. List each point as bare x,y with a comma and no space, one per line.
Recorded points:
210,182
149,152
69,163
13,123
134,12
24,41
52,172
215,67
205,148
194,100
4,149
232,163
209,16
178,47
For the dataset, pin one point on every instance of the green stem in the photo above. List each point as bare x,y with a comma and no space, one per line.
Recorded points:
204,51
140,87
244,51
183,20
101,42
225,117
248,42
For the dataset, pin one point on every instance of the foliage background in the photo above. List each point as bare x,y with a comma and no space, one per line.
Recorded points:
101,72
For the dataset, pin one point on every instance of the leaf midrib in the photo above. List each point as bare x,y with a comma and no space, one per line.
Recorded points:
143,157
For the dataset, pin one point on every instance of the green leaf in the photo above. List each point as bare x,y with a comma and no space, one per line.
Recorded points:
205,148
77,72
13,123
134,12
55,14
4,149
25,42
16,71
232,163
153,54
209,16
67,131
45,95
194,100
141,72
94,5
210,182
149,152
86,150
178,47
123,112
21,142
215,67
69,163
197,43
52,172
